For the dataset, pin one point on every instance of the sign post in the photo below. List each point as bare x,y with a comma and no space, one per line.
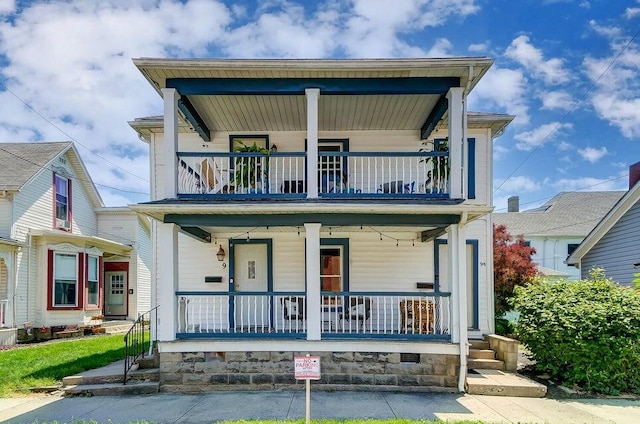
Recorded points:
307,368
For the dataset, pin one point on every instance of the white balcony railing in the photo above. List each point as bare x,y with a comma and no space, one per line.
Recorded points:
360,315
339,174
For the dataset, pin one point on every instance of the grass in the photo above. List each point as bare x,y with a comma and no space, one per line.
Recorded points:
46,364
354,421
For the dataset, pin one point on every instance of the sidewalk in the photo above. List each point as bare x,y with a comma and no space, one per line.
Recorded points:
283,405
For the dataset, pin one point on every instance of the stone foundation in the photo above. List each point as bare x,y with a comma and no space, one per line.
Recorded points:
202,371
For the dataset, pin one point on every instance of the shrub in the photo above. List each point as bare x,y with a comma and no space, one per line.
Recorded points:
584,333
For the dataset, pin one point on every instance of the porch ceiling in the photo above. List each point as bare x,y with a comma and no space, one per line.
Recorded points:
268,95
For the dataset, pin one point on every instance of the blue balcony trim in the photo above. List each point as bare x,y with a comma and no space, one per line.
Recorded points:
194,118
297,86
301,293
288,220
471,174
434,117
384,154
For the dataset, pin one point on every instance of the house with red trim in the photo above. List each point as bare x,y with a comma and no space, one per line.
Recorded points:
66,260
339,208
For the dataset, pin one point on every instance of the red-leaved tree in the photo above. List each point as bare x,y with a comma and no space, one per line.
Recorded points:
512,266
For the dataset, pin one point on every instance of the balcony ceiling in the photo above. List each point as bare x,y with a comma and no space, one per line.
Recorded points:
268,95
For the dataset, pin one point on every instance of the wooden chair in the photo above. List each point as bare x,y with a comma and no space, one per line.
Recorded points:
417,316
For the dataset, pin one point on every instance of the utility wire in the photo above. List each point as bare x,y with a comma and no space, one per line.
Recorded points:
575,104
67,134
74,177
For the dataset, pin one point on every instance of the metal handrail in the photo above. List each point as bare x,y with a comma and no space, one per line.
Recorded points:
134,343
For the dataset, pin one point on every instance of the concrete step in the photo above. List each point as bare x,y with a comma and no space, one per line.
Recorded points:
479,344
113,389
485,364
500,383
482,354
136,375
117,329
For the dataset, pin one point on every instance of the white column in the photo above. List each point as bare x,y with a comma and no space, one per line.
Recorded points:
456,134
170,146
167,281
313,281
313,95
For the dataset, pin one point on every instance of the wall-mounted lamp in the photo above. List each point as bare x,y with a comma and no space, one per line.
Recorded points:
274,148
221,254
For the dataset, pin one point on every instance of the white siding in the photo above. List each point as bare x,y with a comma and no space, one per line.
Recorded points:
552,252
617,250
6,217
143,268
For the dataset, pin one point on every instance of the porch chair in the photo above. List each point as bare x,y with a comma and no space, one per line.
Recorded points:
417,316
293,309
359,310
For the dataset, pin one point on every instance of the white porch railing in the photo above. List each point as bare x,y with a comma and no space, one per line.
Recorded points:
344,314
385,174
4,309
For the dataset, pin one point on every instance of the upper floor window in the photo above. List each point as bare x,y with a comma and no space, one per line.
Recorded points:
571,247
62,199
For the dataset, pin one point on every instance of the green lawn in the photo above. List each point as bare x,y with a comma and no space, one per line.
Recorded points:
46,364
389,421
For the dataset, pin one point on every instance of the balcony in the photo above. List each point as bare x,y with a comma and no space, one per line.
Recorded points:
340,175
343,315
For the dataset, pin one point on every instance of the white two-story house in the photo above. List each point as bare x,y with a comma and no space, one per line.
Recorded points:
331,207
64,257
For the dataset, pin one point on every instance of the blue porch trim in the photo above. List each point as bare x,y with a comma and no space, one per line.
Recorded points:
297,86
471,168
194,118
434,117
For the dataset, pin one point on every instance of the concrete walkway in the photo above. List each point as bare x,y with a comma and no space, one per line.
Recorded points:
282,405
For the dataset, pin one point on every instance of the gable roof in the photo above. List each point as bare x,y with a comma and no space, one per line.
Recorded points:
567,214
606,223
22,162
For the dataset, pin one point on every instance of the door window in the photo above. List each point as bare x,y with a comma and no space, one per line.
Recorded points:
331,269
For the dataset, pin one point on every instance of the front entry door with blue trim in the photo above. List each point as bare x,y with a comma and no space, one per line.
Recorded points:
251,275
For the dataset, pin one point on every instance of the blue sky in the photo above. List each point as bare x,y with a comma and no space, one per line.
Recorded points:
569,70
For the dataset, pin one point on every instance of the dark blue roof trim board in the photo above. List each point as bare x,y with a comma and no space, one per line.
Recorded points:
287,220
197,233
327,86
194,118
434,117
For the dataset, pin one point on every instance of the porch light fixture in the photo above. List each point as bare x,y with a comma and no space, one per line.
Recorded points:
221,254
274,148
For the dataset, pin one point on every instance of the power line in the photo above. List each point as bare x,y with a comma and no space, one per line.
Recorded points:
74,177
575,104
67,134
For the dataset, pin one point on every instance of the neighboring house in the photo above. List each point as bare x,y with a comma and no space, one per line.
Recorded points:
613,243
64,257
556,228
355,229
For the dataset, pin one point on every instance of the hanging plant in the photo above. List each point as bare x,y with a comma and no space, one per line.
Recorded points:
438,175
249,170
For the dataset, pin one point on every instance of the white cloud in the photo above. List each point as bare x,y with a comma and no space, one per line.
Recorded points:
518,184
552,71
441,48
529,140
499,152
590,184
592,154
503,89
7,7
481,47
606,30
564,146
632,12
555,100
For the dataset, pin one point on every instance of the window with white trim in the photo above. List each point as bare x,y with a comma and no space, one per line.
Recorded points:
93,281
65,279
62,202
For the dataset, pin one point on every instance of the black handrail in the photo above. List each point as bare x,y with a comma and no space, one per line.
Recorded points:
134,344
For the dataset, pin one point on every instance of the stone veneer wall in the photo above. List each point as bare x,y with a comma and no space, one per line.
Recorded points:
202,371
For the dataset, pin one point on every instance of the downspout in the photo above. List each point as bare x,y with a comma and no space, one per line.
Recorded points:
463,327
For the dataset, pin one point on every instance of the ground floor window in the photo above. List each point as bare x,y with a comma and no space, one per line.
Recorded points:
93,281
65,277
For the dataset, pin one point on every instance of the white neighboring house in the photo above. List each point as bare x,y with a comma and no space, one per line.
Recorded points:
64,257
556,228
340,234
613,243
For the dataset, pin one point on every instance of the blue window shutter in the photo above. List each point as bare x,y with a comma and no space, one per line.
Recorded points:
471,169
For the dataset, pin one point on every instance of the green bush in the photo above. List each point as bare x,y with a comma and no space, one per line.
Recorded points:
584,333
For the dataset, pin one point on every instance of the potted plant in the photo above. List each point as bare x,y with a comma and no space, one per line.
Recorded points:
250,170
438,175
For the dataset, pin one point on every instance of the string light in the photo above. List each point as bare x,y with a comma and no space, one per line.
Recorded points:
248,239
397,241
330,231
298,231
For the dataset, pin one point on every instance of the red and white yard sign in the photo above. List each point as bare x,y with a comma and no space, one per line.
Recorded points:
307,367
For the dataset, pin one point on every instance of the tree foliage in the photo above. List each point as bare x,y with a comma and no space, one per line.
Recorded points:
512,266
584,333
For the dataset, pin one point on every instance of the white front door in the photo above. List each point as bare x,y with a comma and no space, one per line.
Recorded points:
116,289
251,275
